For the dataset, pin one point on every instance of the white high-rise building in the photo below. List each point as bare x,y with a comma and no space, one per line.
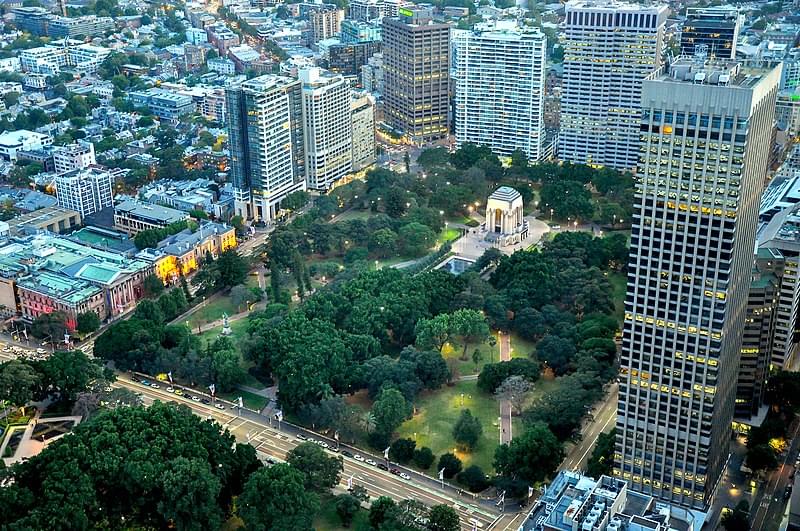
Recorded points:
327,127
499,71
704,151
610,48
85,190
266,144
75,156
362,108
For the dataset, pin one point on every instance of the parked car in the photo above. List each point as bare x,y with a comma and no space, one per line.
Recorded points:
346,453
219,406
395,471
383,467
206,401
358,458
155,386
405,476
371,462
170,390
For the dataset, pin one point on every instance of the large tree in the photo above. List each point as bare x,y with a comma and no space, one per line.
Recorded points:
389,411
157,467
67,373
443,518
321,472
18,382
530,457
275,498
467,430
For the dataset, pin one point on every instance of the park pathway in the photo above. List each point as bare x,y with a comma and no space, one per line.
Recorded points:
505,406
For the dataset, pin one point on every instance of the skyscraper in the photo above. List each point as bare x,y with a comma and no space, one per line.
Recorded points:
715,28
705,135
327,127
610,48
499,79
265,134
416,60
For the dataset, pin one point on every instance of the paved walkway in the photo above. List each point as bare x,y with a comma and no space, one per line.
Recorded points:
28,446
505,406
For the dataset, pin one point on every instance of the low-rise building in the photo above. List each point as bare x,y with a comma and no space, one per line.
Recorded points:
53,219
182,253
132,216
574,501
22,140
221,65
166,105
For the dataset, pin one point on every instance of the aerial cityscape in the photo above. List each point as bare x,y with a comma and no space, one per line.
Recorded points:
387,265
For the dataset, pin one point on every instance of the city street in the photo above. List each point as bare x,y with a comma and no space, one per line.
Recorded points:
604,418
270,441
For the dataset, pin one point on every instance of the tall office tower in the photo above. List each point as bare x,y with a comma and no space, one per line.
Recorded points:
705,134
416,78
85,190
325,21
327,131
611,47
499,79
711,32
265,134
362,109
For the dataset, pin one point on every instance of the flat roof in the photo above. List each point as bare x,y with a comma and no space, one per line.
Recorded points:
147,211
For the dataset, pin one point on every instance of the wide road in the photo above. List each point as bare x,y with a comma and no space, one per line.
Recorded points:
770,505
270,441
605,417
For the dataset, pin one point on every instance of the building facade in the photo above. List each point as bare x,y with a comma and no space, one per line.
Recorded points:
705,135
499,71
132,217
416,76
325,21
610,48
75,156
265,136
327,128
711,32
85,191
362,108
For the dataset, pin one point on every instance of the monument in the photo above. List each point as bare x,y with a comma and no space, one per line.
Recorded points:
505,224
226,326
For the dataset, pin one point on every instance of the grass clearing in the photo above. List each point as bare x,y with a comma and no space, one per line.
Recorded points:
453,353
521,348
250,400
328,520
619,285
448,234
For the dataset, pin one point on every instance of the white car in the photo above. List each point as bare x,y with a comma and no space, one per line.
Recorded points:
219,406
196,398
359,458
155,386
405,476
323,444
170,390
371,462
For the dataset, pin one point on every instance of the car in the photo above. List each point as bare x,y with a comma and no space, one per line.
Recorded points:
405,476
383,467
395,471
178,392
371,462
206,401
271,461
170,389
219,406
144,382
302,437
358,458
155,386
475,523
323,444
787,492
332,449
40,350
195,398
346,453
312,440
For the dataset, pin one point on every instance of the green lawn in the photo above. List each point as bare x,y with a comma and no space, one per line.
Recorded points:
250,400
438,410
521,348
619,285
354,214
238,331
327,519
491,354
448,234
211,310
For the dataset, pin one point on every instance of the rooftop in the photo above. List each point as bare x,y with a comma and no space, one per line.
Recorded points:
505,193
721,72
146,211
59,287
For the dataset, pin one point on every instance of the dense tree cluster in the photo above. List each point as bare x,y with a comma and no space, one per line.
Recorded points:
333,343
